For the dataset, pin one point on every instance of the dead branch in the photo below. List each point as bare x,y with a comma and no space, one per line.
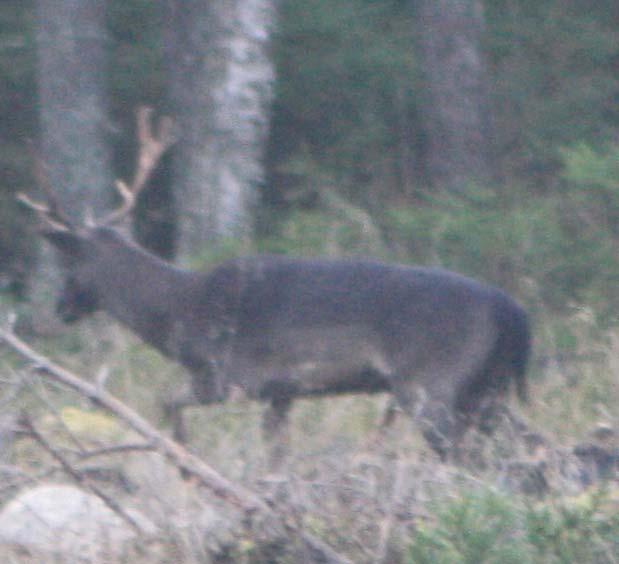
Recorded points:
30,429
73,438
22,479
115,449
178,455
250,503
386,525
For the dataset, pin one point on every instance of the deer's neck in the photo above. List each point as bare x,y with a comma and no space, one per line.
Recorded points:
144,293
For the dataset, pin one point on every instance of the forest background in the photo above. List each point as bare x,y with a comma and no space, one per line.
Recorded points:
481,136
527,193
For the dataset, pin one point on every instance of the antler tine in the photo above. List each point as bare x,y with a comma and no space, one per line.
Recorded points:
44,213
50,214
42,178
151,148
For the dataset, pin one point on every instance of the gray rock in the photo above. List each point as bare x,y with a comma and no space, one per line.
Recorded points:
63,519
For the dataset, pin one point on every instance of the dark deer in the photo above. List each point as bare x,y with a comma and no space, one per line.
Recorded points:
279,328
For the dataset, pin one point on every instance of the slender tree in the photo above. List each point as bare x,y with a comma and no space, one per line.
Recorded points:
455,106
220,77
71,53
72,48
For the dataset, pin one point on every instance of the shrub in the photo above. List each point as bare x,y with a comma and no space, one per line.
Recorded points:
492,527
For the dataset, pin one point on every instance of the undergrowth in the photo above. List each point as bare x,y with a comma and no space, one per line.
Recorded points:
492,527
354,488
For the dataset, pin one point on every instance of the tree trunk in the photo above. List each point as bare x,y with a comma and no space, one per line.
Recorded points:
455,107
71,48
220,78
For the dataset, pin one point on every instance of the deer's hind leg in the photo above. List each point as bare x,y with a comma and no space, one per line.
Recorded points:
173,409
276,432
430,404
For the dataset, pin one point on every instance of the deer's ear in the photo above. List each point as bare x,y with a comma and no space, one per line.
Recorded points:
69,244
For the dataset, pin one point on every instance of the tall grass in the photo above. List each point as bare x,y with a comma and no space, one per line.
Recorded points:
358,490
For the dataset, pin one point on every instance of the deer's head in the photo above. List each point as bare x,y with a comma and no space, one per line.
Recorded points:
79,295
86,251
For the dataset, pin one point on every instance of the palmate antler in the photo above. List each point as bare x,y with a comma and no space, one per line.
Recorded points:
151,148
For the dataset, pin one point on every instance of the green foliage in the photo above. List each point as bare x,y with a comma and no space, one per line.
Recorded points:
585,166
17,118
509,241
348,89
344,157
590,209
346,72
536,247
137,69
553,64
17,91
592,177
342,113
585,530
215,253
338,231
473,529
490,527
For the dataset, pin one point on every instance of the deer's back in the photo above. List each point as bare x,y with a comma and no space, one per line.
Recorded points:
337,325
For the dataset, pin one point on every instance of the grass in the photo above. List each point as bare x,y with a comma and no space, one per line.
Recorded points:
370,496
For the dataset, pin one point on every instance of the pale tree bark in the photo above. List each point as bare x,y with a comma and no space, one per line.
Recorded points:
71,49
220,83
455,110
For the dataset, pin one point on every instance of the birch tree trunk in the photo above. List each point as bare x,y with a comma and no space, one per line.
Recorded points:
456,111
71,49
220,82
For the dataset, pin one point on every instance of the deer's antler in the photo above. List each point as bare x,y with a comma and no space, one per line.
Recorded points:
44,213
50,214
151,148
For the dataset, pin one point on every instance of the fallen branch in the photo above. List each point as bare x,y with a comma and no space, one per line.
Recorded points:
115,449
252,505
22,478
178,455
29,428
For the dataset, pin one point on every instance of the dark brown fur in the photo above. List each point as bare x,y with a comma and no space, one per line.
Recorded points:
280,328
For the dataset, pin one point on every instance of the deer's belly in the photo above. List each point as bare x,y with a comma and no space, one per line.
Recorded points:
315,361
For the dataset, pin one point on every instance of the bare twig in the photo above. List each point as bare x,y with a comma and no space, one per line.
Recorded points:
23,478
115,449
59,420
386,526
250,503
75,474
189,463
